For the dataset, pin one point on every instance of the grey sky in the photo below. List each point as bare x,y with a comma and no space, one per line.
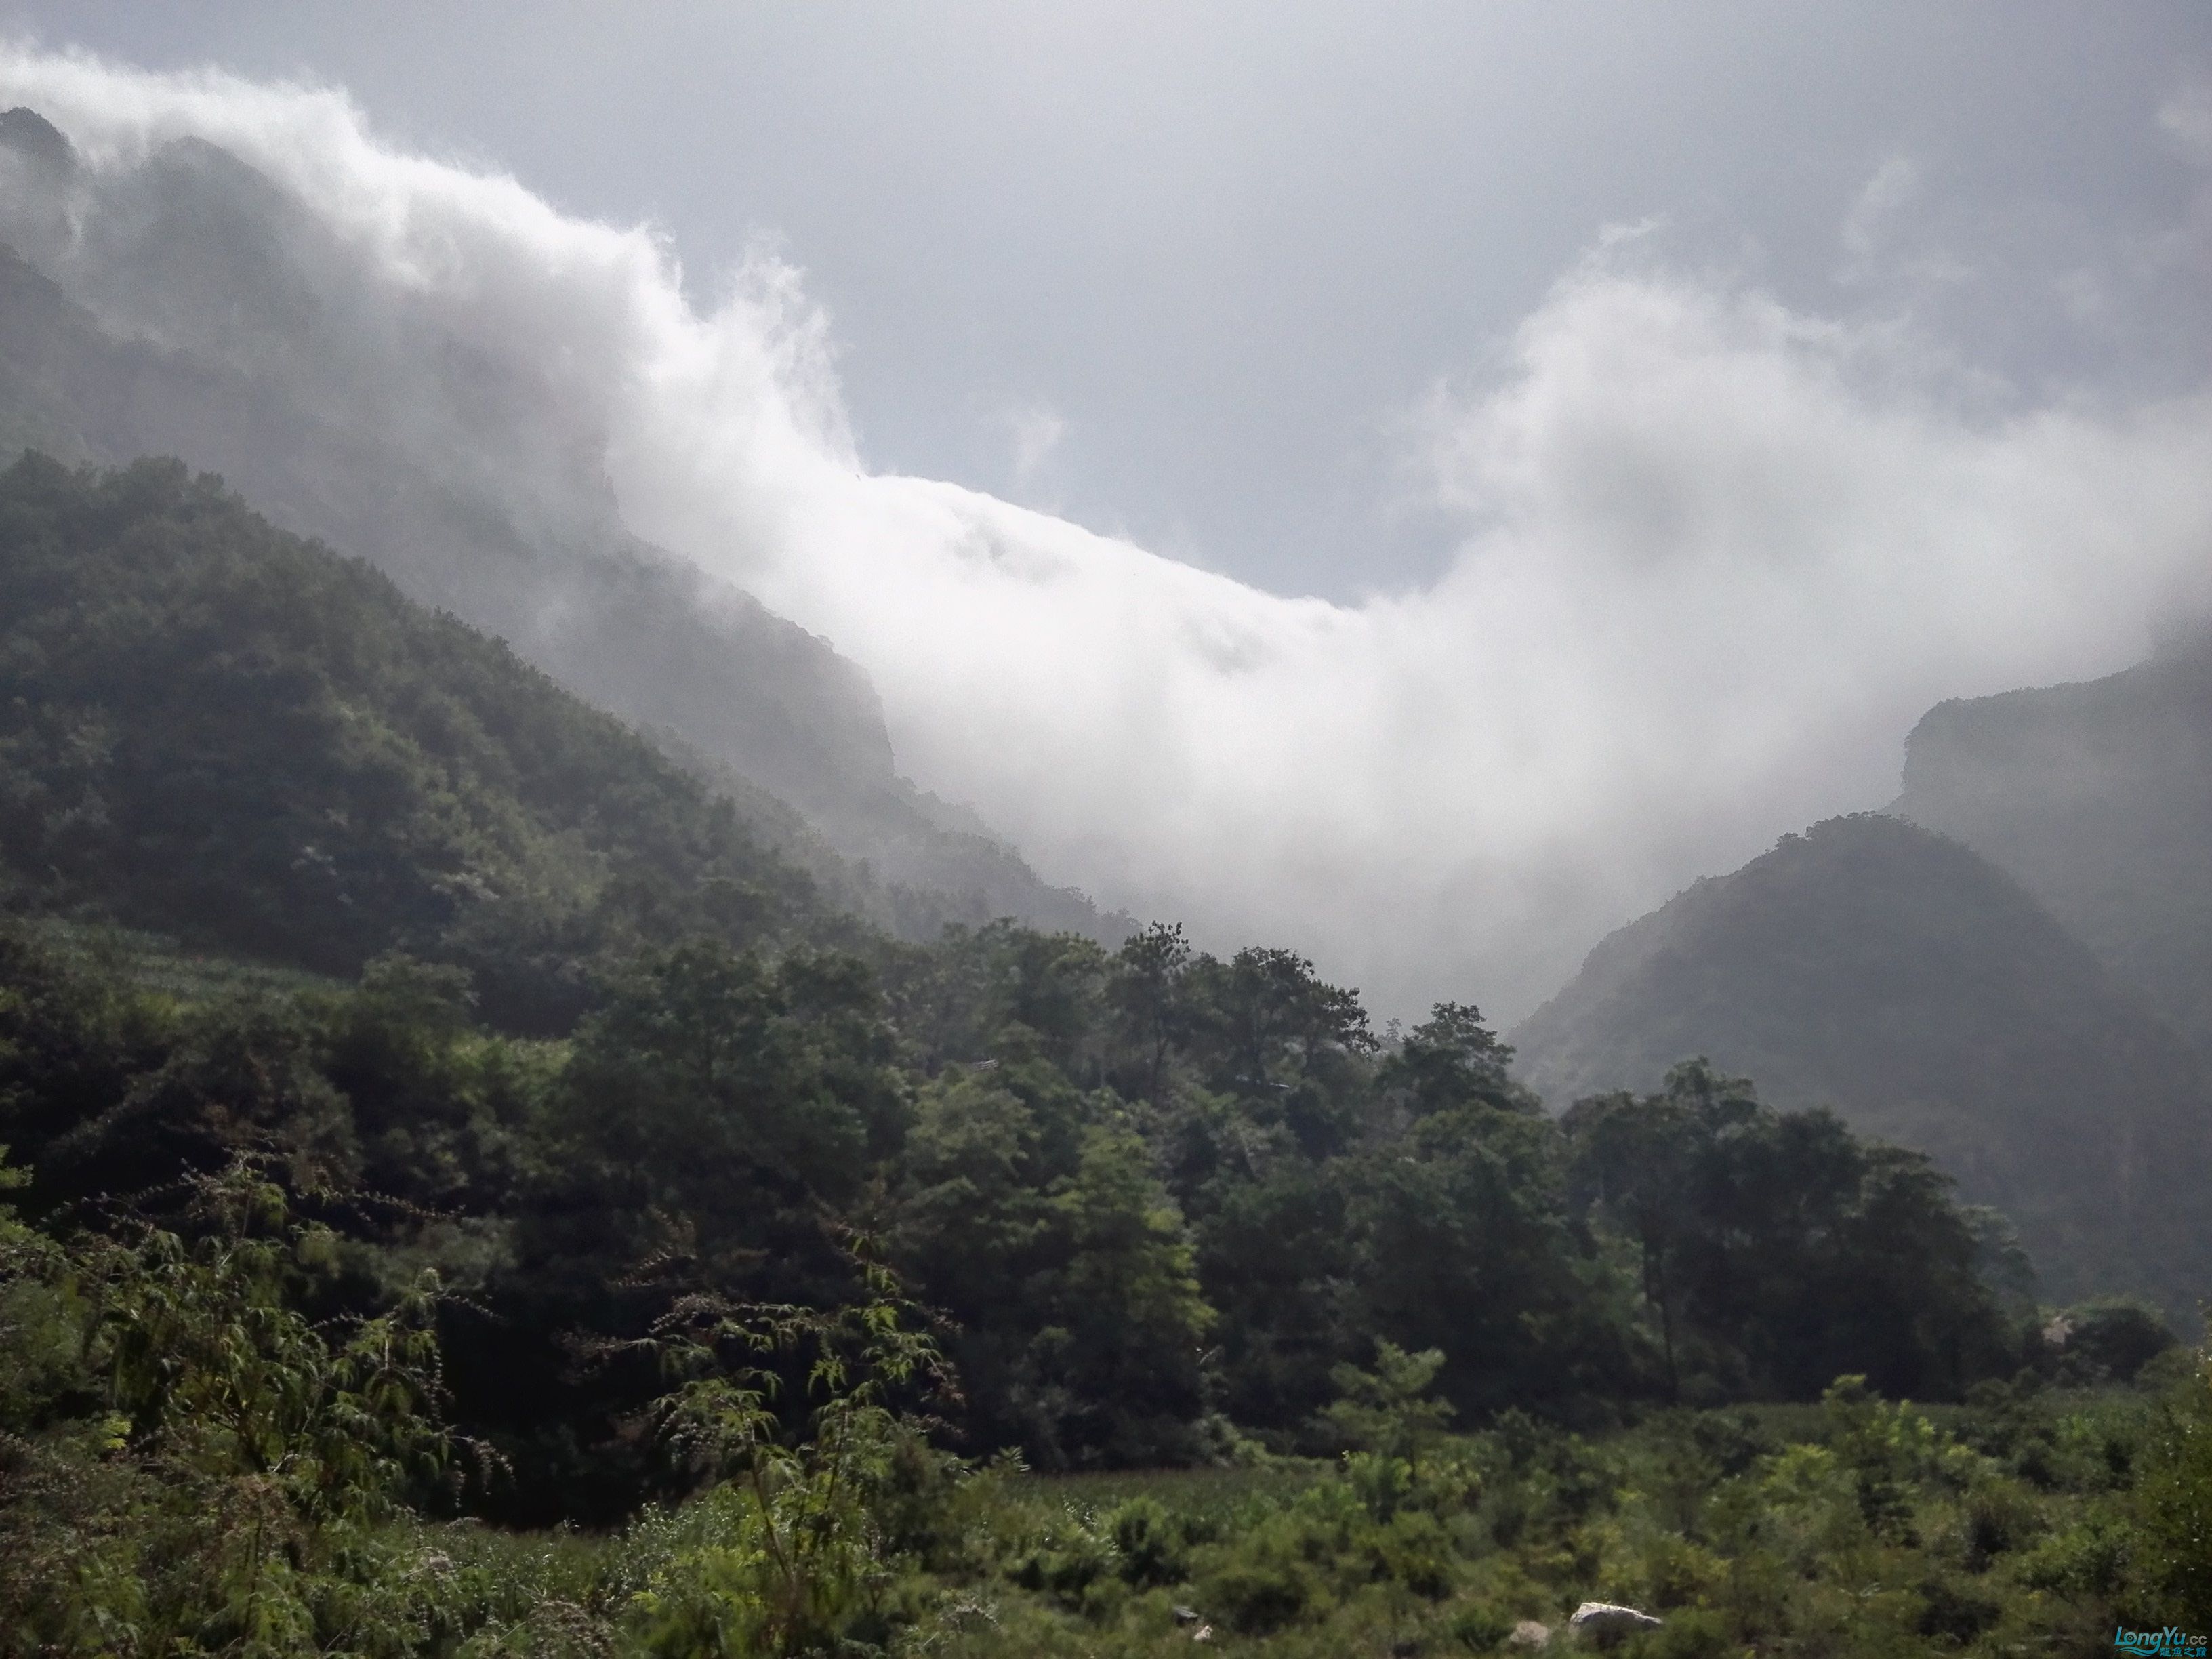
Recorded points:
1181,270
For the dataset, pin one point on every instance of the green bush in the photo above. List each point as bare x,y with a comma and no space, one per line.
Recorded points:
2172,1507
1150,1543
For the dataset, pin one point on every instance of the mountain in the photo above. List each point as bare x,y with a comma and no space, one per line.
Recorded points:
186,305
2098,799
1899,977
213,729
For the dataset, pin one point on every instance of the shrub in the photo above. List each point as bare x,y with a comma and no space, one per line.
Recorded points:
1149,1542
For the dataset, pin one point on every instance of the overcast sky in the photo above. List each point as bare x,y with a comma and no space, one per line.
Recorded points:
1183,271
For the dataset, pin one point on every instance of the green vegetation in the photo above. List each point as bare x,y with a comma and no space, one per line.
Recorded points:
577,1234
191,1467
1901,978
210,728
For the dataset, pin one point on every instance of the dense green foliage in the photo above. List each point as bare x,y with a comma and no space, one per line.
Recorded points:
1899,977
190,1463
187,1467
212,728
1777,1251
606,1173
1146,1249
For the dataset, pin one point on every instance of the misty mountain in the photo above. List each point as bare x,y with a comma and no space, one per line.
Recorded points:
1897,976
2098,799
188,305
215,730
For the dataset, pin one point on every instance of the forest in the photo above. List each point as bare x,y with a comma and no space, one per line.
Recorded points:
467,1192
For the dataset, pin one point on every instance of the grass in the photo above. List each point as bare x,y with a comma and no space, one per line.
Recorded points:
161,964
1210,1494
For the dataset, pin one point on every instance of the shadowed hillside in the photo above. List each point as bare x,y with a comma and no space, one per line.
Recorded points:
1898,976
2098,799
209,727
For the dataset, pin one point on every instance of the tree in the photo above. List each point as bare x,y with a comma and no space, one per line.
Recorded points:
1777,1250
1638,1162
1388,1410
1461,1242
786,1552
725,1090
1453,1060
1126,1309
1146,989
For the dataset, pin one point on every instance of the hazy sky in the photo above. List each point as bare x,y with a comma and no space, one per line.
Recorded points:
1491,465
1182,271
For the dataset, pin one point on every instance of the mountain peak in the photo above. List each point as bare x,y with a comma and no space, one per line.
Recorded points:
1894,974
37,141
2097,798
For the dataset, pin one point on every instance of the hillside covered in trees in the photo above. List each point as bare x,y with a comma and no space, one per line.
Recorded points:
189,306
1872,966
216,730
432,1113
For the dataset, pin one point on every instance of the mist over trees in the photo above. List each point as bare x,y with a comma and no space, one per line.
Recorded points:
425,1097
250,277
1104,1164
1901,978
525,1132
472,491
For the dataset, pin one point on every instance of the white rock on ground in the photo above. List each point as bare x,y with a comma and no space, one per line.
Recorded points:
1603,1619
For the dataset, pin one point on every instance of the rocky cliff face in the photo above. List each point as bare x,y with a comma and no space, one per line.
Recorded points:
2098,799
1901,978
185,305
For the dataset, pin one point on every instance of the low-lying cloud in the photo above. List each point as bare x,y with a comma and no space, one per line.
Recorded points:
1714,557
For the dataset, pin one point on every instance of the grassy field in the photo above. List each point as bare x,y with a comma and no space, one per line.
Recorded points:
1216,1494
161,964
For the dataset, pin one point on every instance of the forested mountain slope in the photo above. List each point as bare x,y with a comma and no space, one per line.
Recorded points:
1873,966
187,306
2097,798
211,728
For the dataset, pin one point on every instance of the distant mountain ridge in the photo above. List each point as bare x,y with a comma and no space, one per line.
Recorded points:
1872,965
189,307
2098,799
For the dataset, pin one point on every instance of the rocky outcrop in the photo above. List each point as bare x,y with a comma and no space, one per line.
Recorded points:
2097,798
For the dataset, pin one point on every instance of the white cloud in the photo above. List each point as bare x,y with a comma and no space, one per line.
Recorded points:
1036,430
2186,119
1891,241
1717,557
1893,187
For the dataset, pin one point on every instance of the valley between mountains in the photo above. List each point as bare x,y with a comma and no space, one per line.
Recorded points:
526,1134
